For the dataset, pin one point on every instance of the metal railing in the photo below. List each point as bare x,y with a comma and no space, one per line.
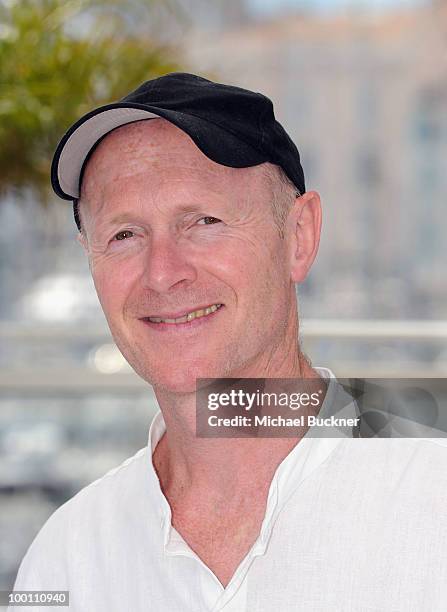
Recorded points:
85,377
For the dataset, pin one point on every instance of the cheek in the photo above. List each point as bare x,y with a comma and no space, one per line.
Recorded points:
263,264
258,275
245,254
113,284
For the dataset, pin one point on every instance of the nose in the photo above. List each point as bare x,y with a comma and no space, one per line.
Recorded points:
166,264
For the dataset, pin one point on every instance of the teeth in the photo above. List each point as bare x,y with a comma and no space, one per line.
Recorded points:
196,314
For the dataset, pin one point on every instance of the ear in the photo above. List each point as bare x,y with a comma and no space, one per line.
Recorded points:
303,231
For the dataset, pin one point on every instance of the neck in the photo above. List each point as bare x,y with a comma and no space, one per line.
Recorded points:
189,466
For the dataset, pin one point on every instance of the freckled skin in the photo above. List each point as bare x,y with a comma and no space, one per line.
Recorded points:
153,176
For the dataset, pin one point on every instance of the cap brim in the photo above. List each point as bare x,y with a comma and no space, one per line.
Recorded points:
217,144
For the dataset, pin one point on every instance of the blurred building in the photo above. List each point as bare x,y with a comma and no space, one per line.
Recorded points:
364,96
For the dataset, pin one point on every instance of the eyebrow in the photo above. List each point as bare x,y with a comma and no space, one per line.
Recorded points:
119,218
108,222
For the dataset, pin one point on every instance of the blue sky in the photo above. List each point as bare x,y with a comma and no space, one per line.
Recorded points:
270,6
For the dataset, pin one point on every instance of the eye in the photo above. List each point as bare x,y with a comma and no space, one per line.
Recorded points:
123,235
209,220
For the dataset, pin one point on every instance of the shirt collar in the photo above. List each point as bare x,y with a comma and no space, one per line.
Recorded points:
305,457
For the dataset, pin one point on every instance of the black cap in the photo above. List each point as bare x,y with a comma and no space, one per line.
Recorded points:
232,126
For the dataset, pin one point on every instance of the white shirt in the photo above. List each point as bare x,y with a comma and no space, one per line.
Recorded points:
354,525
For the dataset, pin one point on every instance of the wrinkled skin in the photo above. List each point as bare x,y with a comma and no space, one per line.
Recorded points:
150,181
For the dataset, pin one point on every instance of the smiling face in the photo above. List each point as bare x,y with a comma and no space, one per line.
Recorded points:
169,232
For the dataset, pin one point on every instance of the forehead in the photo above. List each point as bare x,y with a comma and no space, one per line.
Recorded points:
156,151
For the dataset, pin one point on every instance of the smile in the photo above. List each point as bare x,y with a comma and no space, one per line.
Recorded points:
187,317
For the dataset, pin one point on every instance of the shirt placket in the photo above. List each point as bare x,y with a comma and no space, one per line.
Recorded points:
214,596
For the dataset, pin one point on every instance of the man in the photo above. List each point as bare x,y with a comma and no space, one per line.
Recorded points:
192,209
